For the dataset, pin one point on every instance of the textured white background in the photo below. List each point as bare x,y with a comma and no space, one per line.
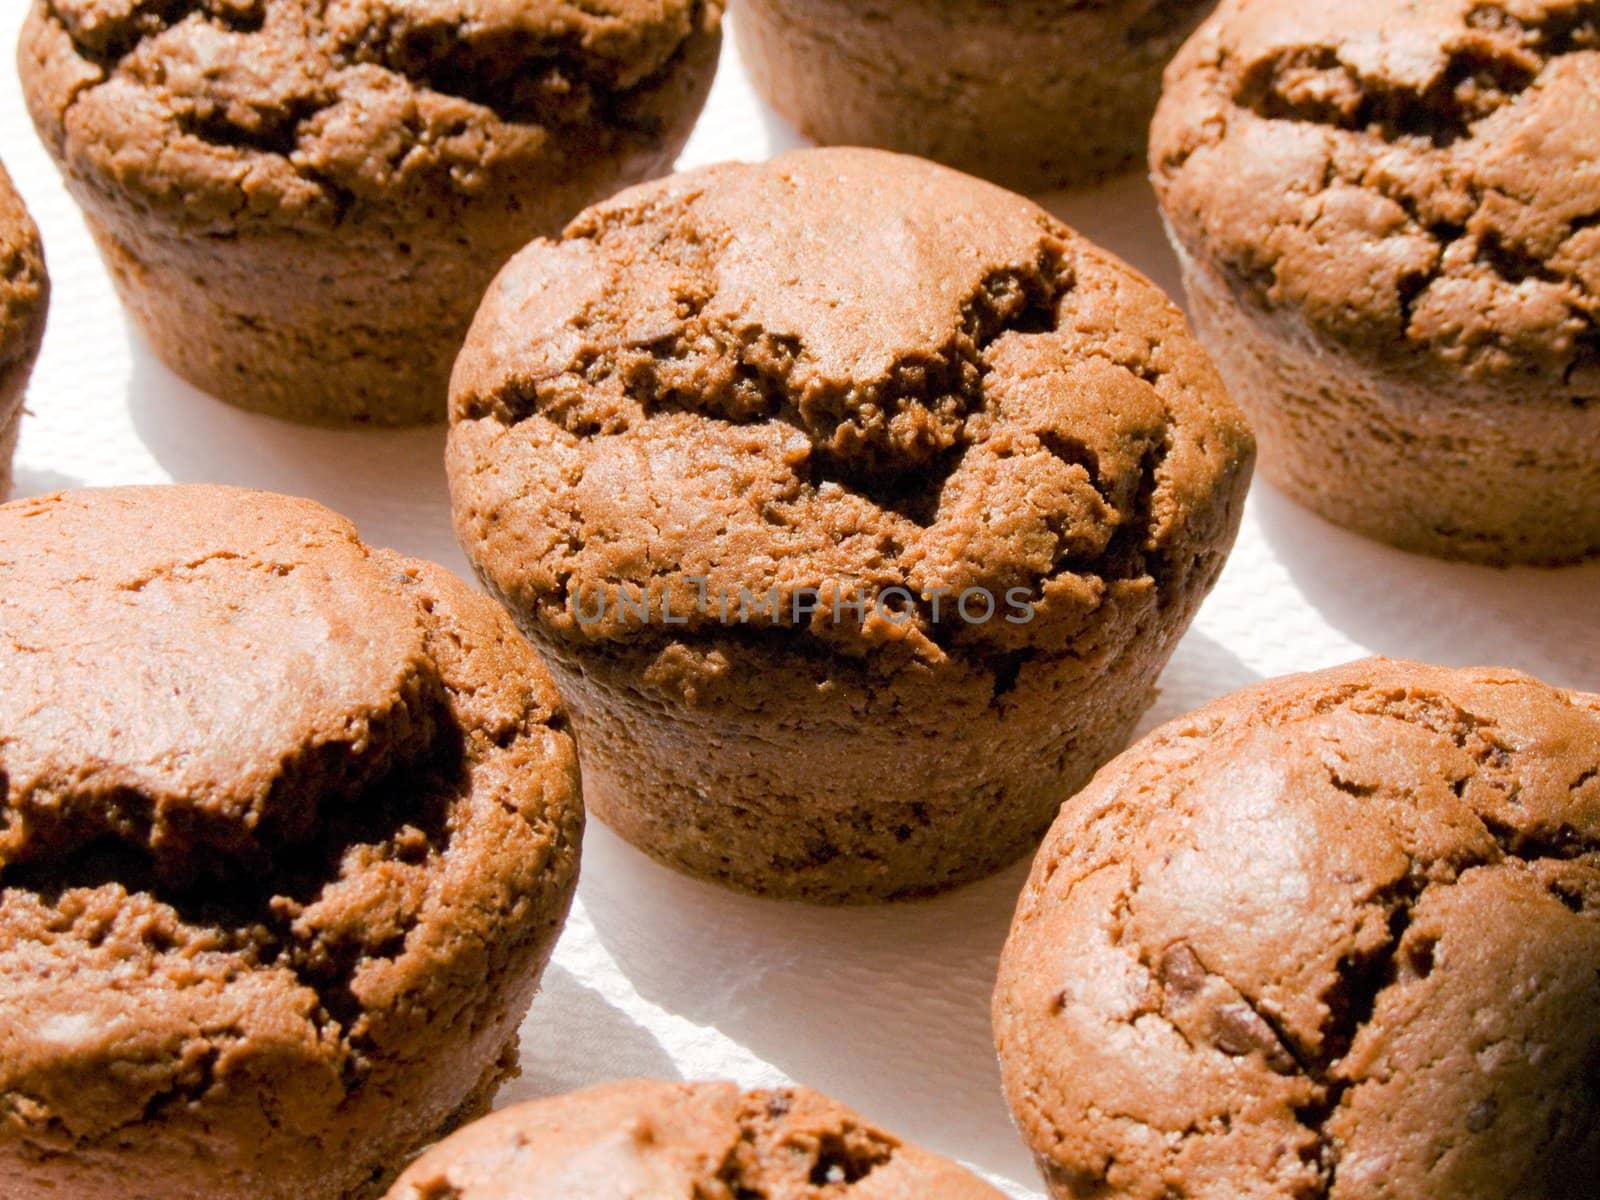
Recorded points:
658,975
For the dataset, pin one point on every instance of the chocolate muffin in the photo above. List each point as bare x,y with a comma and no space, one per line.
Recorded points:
1335,936
24,299
1033,94
290,826
302,202
1386,215
645,1140
856,505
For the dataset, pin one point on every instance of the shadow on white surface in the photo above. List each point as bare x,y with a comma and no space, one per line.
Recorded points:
1408,606
391,483
36,481
886,1008
1201,670
569,1028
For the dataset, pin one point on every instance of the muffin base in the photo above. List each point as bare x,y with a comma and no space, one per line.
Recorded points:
1031,108
8,451
1454,477
824,785
293,329
362,330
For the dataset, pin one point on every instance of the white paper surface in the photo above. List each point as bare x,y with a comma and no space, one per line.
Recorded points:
886,1009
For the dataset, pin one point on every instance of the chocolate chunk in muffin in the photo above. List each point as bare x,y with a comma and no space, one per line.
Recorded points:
1388,220
302,203
289,829
1033,94
648,1140
24,300
1334,936
856,504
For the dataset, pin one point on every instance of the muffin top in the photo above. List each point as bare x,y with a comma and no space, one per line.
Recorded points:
289,112
273,802
845,372
647,1140
1416,183
1335,936
24,284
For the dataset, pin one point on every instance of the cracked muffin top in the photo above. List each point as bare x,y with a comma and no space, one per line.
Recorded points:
667,1141
845,371
1417,182
294,112
273,804
1335,936
24,286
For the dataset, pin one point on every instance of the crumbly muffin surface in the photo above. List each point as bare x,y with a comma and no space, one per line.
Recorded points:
224,113
289,827
1416,183
667,1141
844,371
1336,936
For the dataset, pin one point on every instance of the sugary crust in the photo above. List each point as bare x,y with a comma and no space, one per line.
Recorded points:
1335,936
306,949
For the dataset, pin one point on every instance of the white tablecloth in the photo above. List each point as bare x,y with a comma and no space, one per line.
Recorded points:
886,1009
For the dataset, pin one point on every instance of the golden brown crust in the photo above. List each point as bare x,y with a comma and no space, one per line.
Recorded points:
1334,936
290,829
650,1140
